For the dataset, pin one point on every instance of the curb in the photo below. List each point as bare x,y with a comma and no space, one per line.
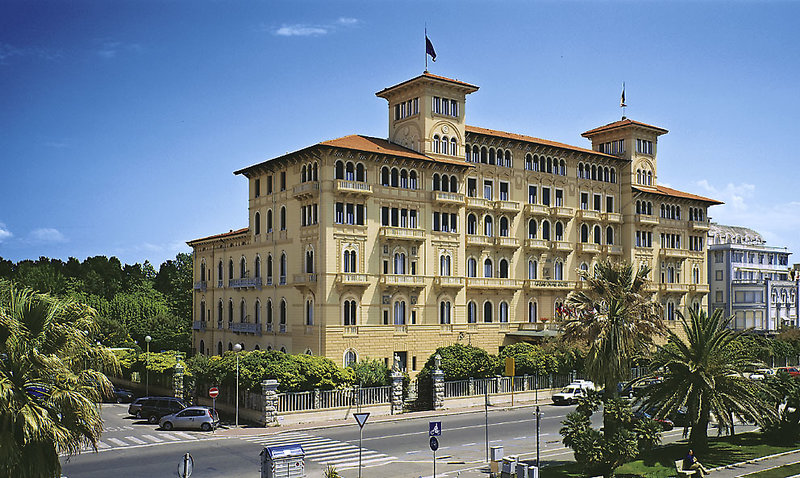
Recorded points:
754,460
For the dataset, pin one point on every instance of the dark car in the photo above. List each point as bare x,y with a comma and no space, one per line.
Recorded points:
640,388
666,423
120,395
625,390
153,408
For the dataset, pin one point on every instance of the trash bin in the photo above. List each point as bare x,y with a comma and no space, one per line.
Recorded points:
284,461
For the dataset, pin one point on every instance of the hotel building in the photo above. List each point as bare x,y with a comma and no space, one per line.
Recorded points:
367,247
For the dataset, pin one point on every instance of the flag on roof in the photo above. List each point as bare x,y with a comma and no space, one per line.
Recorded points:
622,98
429,48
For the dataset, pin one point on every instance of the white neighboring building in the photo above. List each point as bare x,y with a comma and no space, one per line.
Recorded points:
750,280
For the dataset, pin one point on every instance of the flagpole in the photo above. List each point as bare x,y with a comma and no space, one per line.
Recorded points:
426,47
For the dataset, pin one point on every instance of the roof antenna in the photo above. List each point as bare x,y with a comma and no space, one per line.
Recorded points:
622,101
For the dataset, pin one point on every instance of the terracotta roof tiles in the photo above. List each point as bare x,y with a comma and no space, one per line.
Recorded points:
531,139
231,233
665,191
621,123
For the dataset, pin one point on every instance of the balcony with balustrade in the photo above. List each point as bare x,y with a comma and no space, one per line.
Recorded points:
199,325
561,246
588,248
611,217
537,210
493,283
479,241
511,207
670,253
479,203
699,225
305,280
245,328
446,198
200,286
549,284
537,244
612,250
562,212
646,220
402,280
698,288
306,190
510,242
673,288
245,283
357,188
447,282
588,215
352,279
402,234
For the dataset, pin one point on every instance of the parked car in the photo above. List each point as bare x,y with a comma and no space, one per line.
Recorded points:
792,371
156,407
640,387
195,418
569,394
642,414
625,390
761,374
584,384
120,395
135,408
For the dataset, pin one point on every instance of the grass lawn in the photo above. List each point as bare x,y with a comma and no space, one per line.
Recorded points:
660,463
780,472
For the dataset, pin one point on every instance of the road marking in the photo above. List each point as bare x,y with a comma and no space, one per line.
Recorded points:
365,463
520,438
117,441
186,436
152,438
324,450
469,444
169,436
135,440
412,452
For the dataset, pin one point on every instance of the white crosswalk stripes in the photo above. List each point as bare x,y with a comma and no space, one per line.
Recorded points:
326,451
155,438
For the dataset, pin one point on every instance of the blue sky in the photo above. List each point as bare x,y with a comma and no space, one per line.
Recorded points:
123,121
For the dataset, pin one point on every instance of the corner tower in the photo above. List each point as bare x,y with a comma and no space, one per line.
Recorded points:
427,114
632,140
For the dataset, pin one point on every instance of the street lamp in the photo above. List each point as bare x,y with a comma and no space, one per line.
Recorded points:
237,348
147,339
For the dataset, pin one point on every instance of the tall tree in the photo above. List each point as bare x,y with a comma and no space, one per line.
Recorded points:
703,375
174,280
48,398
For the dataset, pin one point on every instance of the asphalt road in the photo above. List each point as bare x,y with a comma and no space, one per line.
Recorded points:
389,449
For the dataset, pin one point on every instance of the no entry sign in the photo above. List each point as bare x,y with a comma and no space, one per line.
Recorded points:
213,392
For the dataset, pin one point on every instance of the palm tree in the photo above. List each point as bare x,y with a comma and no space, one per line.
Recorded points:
615,315
703,375
48,400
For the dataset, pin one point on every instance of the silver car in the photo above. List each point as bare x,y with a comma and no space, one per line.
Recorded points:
198,418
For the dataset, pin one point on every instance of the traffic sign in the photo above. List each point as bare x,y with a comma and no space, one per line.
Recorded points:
185,466
434,429
361,418
434,442
213,392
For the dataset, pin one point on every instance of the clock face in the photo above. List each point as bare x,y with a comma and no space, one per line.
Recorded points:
445,129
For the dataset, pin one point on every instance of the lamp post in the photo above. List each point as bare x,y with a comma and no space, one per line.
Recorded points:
237,348
147,339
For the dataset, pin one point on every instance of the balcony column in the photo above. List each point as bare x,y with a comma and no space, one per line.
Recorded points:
397,388
438,384
269,390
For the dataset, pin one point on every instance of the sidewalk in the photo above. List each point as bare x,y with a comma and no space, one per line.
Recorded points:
756,465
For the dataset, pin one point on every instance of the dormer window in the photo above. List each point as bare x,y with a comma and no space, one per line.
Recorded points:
445,106
406,109
643,146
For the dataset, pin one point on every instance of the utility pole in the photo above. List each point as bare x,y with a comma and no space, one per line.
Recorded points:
486,418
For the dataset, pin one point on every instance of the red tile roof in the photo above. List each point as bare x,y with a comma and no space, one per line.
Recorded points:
620,124
531,139
665,191
369,144
231,233
432,77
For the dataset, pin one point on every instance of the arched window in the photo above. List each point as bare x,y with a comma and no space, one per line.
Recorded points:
453,184
350,357
695,275
309,312
283,268
453,147
472,267
399,263
412,179
609,235
503,311
559,231
437,182
508,159
303,175
309,261
504,226
472,224
562,168
395,177
444,143
503,269
533,268
532,228
339,170
404,179
269,269
202,310
670,310
269,220
546,230
350,261
257,268
580,170
242,268
528,162
349,309
472,313
584,233
219,311
444,312
598,239
400,312
219,348
384,176
649,178
487,268
257,223
316,173
436,148
605,174
242,312
532,312
269,315
220,272
487,225
257,311
444,265
484,155
361,173
613,175
282,316
283,218
350,172
230,268
487,311
558,270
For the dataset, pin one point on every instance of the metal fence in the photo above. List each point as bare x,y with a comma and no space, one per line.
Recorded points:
323,399
524,383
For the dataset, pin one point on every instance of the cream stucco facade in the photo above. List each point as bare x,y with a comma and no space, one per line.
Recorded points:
364,247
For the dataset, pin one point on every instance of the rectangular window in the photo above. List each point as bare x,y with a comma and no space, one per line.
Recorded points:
412,219
546,196
395,217
360,214
283,180
437,104
454,108
719,297
339,213
446,107
609,203
396,112
416,106
436,224
718,275
598,201
503,191
644,146
531,194
350,213
257,188
487,190
472,187
559,197
384,216
584,201
269,184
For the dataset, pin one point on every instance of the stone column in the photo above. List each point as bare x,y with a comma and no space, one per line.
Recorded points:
525,383
317,399
397,392
177,381
438,384
269,389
